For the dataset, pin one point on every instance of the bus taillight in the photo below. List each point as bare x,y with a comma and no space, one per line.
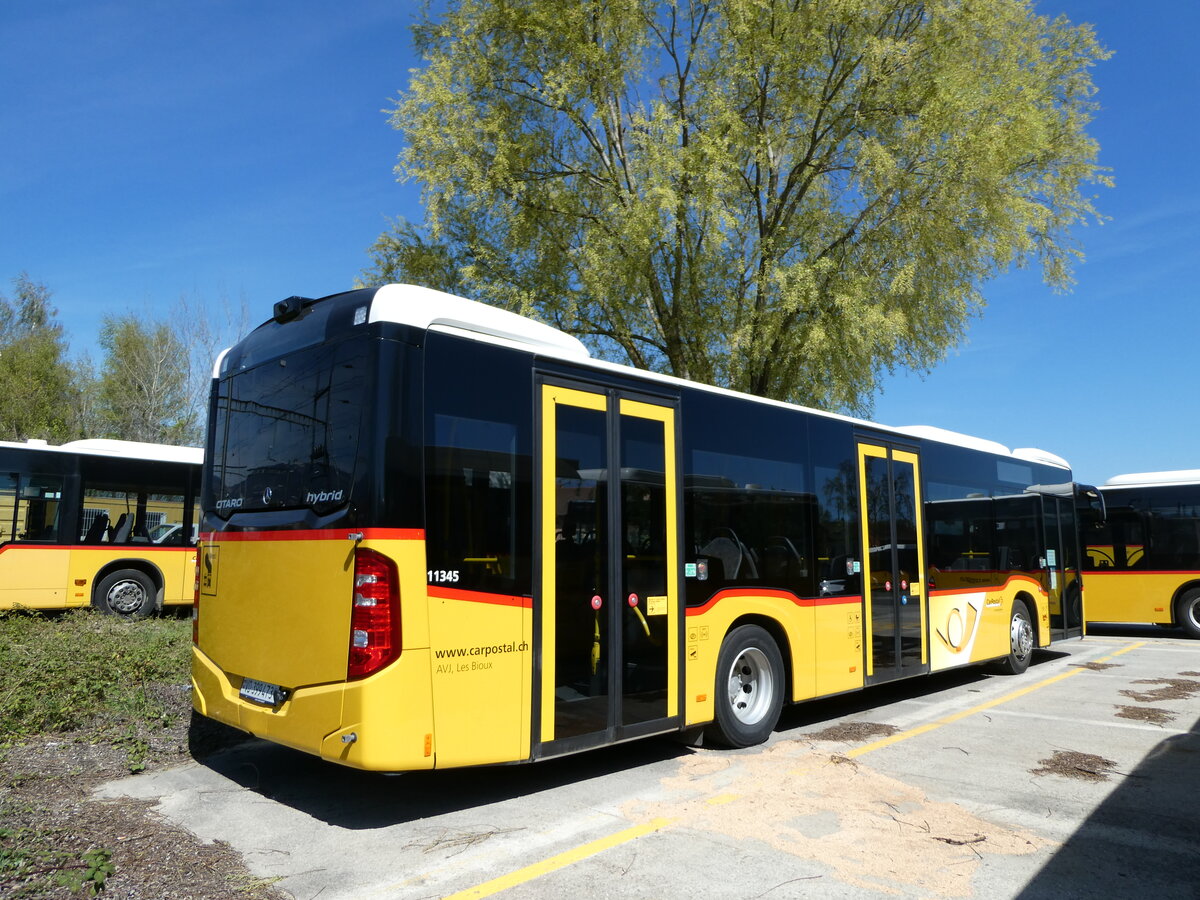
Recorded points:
375,616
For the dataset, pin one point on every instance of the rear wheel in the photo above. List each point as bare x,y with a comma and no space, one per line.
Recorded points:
749,687
126,592
1187,612
1020,641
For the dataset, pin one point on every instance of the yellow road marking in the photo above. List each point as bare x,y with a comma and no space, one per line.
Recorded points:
566,858
722,799
569,857
958,716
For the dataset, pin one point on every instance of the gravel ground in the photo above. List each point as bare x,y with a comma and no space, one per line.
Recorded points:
47,785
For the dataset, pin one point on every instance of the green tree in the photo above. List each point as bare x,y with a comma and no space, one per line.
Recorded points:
405,252
788,197
143,389
35,379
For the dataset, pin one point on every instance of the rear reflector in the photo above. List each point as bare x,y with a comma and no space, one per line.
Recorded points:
375,615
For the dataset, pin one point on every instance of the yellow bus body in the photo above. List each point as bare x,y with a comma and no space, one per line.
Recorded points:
40,576
969,625
464,673
1133,595
578,555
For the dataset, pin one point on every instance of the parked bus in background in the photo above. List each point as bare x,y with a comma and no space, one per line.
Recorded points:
110,524
988,540
1143,559
440,534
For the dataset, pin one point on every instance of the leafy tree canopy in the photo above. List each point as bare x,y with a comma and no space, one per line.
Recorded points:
143,386
36,399
788,197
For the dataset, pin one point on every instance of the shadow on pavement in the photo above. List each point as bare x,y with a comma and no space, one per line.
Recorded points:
1143,840
353,799
349,798
1137,632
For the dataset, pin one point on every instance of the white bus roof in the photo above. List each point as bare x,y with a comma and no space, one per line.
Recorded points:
426,308
933,433
1145,479
422,307
122,449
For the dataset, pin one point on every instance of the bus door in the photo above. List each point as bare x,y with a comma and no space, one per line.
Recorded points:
1061,566
609,605
895,613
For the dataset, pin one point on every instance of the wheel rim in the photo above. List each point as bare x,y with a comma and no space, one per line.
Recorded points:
751,686
1191,612
1021,636
125,597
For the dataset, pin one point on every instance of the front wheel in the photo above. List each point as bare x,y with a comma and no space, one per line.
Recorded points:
127,593
1187,612
1020,640
749,687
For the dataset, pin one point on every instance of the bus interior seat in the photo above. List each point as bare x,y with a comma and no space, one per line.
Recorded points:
120,532
725,551
732,553
780,556
97,529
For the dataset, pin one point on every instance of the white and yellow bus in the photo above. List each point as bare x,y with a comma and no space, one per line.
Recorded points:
1143,559
440,534
102,523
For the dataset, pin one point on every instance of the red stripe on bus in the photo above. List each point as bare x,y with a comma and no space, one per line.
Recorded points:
946,592
445,593
804,602
1088,573
116,549
317,534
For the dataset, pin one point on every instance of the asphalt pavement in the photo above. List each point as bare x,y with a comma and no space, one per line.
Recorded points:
1080,778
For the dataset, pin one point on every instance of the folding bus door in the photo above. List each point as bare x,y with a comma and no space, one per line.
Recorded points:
1061,559
894,594
609,606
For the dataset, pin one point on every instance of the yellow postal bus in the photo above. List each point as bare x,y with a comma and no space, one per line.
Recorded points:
110,524
440,534
1143,558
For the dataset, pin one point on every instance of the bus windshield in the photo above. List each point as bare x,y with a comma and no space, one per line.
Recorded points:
287,431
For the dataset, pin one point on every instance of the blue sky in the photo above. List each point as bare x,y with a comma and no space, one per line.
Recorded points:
237,152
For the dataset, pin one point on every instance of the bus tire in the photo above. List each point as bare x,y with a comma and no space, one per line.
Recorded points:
749,687
126,592
1020,640
1187,612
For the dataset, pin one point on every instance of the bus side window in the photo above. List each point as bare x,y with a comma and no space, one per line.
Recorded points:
30,506
478,469
8,507
149,513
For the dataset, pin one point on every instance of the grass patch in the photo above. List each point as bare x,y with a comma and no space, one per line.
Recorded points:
85,671
90,681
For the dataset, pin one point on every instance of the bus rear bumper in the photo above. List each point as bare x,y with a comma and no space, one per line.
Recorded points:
326,720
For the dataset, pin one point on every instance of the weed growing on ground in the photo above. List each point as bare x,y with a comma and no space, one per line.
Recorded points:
82,669
80,679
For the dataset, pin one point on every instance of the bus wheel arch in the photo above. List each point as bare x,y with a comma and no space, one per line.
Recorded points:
1021,637
129,588
751,683
1035,622
1186,607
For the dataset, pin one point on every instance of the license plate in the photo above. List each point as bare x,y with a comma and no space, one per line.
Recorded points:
261,692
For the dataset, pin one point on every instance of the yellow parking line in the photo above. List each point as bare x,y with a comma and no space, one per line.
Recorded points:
566,858
569,857
958,716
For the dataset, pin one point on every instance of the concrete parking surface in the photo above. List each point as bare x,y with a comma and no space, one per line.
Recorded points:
1080,778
